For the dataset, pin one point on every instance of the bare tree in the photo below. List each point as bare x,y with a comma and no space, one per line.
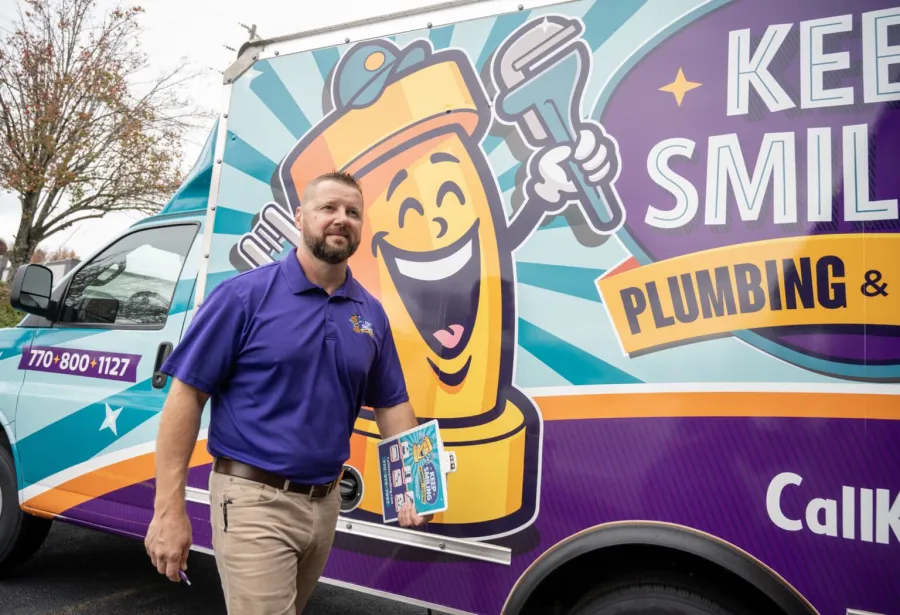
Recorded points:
61,253
84,130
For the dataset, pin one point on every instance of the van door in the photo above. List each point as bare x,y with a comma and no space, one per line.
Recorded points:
88,409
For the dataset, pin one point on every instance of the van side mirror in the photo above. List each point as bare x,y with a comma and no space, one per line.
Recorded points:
31,290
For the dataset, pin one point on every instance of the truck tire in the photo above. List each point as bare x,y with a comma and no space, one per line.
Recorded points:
657,595
21,534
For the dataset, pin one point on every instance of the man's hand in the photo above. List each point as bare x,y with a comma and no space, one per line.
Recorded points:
408,516
168,543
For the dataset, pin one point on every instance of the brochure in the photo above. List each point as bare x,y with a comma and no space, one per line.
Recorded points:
413,467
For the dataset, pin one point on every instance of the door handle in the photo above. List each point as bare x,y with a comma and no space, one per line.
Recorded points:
162,353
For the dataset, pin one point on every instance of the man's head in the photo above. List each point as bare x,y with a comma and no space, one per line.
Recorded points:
330,216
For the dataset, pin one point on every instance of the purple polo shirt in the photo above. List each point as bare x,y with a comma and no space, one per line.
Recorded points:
287,368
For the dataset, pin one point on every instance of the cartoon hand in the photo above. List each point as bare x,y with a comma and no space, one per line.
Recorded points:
594,154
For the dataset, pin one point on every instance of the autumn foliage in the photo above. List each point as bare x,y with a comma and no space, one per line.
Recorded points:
85,128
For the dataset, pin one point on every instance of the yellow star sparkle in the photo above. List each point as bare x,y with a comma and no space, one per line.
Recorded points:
680,87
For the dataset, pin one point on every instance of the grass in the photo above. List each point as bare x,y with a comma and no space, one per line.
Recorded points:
8,316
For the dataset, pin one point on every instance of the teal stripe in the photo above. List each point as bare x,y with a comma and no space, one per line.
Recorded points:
51,337
574,281
491,142
440,37
275,95
182,297
607,16
214,279
558,221
507,181
157,218
573,364
77,438
245,158
326,59
232,221
503,27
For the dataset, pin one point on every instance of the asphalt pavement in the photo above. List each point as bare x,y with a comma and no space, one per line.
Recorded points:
84,572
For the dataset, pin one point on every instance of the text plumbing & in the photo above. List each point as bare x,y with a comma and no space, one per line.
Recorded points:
805,234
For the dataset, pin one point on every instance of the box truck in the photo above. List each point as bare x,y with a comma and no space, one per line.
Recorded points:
641,259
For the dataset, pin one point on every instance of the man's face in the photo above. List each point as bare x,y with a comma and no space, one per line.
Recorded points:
330,220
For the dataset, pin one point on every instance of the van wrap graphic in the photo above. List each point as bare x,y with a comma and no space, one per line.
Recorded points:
83,363
768,208
772,429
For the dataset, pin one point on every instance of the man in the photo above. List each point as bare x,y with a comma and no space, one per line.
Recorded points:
275,350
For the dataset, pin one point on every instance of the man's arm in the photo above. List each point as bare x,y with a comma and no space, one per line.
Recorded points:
198,365
391,421
178,430
395,419
169,536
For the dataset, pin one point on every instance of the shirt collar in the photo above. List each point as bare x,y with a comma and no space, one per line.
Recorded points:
299,283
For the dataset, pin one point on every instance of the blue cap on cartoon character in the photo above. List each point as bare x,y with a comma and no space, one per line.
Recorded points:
367,69
385,96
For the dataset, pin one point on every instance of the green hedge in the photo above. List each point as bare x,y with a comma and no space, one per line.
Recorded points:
8,316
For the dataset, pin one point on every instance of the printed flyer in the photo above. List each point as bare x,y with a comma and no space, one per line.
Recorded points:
413,465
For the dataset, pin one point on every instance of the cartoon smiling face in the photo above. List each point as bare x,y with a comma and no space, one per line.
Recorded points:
433,260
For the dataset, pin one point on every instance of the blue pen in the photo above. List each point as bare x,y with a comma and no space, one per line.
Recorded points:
183,577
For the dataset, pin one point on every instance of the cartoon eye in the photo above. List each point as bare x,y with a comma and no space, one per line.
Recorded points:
448,187
409,203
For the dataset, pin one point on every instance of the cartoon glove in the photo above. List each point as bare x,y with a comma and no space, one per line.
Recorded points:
594,153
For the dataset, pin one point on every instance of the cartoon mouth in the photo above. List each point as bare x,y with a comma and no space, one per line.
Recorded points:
440,290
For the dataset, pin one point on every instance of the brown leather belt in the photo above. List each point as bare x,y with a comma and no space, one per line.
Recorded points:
230,467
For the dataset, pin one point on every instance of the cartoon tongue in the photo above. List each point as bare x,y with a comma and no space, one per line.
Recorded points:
450,338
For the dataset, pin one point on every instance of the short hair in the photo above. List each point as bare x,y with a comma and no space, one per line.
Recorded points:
342,177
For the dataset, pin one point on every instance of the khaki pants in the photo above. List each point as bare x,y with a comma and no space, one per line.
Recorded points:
270,545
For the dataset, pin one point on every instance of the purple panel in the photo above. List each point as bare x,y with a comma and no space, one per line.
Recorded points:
640,117
710,474
79,362
198,477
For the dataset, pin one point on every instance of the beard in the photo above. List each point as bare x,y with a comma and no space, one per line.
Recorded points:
319,248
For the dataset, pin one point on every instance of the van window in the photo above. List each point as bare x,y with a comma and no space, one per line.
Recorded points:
132,282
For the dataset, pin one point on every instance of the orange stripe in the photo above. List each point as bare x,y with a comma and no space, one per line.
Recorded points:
105,480
728,404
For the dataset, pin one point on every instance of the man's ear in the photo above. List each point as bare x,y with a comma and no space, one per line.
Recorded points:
298,217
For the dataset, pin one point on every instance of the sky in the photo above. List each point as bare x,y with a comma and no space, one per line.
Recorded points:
200,32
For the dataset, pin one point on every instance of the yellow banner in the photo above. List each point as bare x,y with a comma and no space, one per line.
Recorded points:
821,280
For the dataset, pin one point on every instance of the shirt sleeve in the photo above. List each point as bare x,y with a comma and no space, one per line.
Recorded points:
210,346
386,385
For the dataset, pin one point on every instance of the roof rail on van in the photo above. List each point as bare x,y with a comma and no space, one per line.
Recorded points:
248,52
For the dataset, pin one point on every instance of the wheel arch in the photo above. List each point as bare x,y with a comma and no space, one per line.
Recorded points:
6,437
6,442
676,539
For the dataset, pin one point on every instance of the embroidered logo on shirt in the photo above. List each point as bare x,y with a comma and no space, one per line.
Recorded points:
361,326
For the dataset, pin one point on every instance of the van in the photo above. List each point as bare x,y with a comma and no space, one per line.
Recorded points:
641,260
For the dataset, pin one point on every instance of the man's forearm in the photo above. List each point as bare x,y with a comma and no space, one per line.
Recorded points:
395,419
178,430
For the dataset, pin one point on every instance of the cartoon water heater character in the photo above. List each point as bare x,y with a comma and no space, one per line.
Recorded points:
437,244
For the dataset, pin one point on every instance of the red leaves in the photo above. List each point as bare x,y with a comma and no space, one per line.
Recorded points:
76,138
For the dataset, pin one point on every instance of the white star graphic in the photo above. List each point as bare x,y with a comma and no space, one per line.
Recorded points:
110,420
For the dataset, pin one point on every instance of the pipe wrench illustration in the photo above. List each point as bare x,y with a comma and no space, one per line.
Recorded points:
539,73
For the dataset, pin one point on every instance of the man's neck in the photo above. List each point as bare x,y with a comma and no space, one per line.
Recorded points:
329,277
